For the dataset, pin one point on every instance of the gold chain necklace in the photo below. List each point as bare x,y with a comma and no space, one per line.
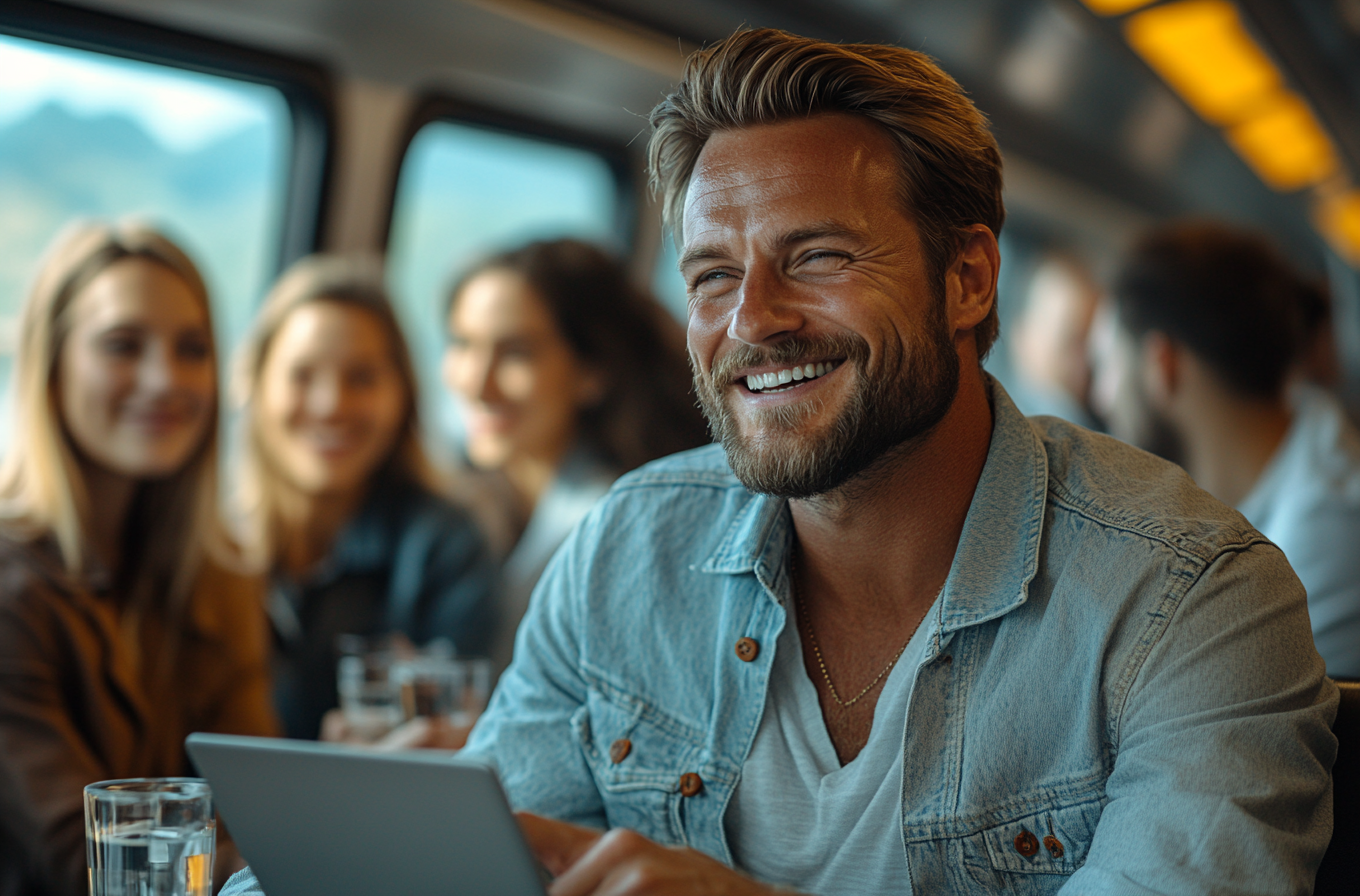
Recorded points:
805,624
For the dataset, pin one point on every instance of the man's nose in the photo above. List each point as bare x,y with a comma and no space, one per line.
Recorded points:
765,309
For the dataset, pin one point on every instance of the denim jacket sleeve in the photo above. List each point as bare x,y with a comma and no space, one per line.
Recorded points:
1220,781
537,707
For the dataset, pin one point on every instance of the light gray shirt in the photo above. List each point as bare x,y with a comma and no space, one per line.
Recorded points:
1308,502
582,480
799,817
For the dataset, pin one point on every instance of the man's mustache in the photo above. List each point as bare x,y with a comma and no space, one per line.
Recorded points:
786,352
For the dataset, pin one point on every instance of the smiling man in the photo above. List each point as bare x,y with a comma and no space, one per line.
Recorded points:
891,636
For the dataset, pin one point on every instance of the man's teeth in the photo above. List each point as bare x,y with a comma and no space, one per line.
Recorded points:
760,381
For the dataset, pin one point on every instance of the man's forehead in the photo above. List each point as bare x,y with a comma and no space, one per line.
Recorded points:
819,160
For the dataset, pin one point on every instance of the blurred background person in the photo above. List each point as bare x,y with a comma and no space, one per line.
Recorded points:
124,621
1047,340
567,376
340,504
1318,361
1193,357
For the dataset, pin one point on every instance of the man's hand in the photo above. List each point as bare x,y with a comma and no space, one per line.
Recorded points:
624,863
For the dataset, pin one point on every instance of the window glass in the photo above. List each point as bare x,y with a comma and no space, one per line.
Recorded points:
84,134
667,284
466,192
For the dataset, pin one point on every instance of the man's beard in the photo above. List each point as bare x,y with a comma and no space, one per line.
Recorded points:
887,410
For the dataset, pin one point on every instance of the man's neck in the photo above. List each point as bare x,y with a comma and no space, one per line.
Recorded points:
885,543
1229,441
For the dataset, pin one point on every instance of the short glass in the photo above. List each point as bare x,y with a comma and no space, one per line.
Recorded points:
369,698
150,837
448,689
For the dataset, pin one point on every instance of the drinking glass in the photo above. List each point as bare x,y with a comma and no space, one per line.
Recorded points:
449,689
150,837
370,695
369,698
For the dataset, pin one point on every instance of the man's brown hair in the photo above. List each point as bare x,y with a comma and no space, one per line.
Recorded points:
950,164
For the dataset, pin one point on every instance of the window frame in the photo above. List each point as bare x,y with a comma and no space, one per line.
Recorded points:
308,89
442,107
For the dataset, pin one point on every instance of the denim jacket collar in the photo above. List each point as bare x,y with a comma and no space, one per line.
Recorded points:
998,552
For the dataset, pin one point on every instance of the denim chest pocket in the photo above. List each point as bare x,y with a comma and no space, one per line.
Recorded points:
1034,854
637,756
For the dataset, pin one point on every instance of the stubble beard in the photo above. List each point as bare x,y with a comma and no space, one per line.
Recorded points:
888,411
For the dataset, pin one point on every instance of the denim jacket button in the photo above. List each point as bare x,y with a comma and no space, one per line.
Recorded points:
747,649
1026,844
1054,846
619,750
691,784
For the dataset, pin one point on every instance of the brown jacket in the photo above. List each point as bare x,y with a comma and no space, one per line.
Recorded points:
78,704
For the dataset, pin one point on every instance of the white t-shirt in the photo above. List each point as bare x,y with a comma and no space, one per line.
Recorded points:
800,818
1307,501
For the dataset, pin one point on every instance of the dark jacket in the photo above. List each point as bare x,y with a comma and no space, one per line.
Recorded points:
409,562
79,703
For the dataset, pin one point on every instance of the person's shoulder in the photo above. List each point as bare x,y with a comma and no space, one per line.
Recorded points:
1330,459
1119,487
28,566
672,497
37,597
703,468
227,598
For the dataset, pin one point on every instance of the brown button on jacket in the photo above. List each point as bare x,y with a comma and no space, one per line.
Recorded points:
80,703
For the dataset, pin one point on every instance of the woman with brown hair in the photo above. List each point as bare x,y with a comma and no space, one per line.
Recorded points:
340,503
567,375
125,623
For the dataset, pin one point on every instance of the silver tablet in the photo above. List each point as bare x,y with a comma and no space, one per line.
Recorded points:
321,820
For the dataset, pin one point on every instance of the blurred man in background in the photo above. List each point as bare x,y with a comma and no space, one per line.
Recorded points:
1047,340
1193,361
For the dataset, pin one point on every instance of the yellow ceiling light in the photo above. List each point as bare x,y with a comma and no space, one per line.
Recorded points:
1285,145
1114,7
1339,221
1202,49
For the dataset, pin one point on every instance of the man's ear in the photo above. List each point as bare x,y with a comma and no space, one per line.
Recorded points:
970,283
1161,368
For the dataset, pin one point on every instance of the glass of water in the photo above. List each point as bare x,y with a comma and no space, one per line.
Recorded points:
150,837
449,689
369,698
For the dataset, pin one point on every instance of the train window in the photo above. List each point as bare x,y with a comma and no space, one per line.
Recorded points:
667,284
467,191
85,134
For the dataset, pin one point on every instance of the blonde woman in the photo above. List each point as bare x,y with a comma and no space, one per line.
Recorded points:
123,625
340,502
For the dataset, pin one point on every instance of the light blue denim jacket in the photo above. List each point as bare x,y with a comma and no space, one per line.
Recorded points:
1122,664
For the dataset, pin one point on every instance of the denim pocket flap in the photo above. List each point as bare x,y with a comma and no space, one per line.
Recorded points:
633,747
1054,841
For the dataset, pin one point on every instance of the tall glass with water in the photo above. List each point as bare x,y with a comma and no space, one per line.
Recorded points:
150,837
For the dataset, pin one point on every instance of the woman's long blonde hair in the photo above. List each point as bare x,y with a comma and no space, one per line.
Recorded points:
174,522
351,282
